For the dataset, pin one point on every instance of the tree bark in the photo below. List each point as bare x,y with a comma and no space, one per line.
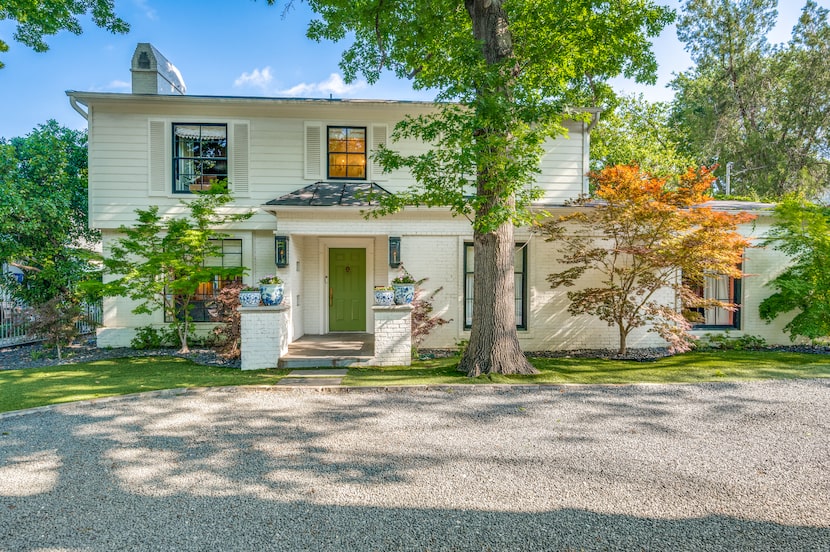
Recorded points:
494,342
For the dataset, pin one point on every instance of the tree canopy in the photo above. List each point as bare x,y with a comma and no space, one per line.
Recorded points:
36,20
508,74
636,242
763,108
43,212
160,262
802,231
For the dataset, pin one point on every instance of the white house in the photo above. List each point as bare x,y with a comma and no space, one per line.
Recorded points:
302,165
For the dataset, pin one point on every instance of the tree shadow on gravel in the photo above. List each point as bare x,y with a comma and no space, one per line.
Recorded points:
256,470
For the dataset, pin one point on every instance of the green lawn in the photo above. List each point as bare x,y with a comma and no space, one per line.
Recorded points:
58,384
32,387
686,368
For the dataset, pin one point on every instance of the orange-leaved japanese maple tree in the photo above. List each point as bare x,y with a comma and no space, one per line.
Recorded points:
641,243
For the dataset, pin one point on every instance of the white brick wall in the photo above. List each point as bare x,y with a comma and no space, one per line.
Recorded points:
393,336
264,336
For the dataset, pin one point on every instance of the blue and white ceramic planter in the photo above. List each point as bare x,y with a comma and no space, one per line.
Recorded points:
271,294
384,297
404,293
249,298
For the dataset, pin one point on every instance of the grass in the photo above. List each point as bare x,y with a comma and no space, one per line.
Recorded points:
32,387
687,368
106,378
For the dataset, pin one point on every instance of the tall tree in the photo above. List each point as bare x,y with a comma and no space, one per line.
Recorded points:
634,131
645,233
44,18
43,211
763,109
161,261
505,74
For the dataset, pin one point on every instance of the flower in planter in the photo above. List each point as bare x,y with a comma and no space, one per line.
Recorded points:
270,279
404,277
384,288
249,288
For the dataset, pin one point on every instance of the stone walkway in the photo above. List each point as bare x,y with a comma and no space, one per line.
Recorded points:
318,377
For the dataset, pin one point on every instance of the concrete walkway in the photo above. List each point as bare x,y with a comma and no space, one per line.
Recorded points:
317,377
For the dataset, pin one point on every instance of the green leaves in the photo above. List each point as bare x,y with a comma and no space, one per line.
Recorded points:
802,231
161,261
43,212
38,19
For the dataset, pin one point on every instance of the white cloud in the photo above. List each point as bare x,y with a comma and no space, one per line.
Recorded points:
333,85
149,12
255,79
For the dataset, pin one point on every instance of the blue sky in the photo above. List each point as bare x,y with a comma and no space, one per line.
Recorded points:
229,48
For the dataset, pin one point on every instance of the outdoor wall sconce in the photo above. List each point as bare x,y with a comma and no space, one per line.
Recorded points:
281,251
394,252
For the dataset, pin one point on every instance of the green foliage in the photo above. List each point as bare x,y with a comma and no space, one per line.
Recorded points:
763,108
43,212
149,337
161,261
38,19
725,342
633,131
802,231
505,74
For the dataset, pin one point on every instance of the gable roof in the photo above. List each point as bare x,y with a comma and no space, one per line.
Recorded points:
329,194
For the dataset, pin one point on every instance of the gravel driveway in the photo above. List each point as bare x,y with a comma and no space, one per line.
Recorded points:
652,467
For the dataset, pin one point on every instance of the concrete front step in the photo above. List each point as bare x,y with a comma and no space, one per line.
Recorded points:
314,378
320,362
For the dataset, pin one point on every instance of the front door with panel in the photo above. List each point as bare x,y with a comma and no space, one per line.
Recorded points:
347,290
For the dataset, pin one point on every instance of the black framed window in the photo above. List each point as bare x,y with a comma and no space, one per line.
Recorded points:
205,299
721,288
520,284
346,153
200,156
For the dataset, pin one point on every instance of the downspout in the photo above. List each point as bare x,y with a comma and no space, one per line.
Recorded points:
76,106
586,150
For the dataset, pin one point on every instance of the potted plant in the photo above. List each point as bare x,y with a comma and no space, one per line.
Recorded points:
404,286
271,290
384,296
249,296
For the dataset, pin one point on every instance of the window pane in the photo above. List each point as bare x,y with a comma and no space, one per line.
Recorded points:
200,156
347,152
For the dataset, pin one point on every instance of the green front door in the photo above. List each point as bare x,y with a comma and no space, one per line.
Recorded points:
347,290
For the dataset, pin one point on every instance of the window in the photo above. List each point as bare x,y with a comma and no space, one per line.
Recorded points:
721,288
520,284
200,156
347,153
203,301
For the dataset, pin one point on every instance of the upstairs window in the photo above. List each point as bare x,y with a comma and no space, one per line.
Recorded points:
200,156
347,153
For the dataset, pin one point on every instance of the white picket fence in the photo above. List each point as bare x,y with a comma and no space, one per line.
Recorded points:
14,321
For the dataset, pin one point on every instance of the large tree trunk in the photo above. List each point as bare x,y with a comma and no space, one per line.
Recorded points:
494,341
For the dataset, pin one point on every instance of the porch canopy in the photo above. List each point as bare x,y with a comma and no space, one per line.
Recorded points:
329,194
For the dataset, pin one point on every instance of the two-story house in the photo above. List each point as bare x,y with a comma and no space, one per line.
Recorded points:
303,166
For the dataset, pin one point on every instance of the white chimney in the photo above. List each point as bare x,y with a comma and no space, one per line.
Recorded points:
153,73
